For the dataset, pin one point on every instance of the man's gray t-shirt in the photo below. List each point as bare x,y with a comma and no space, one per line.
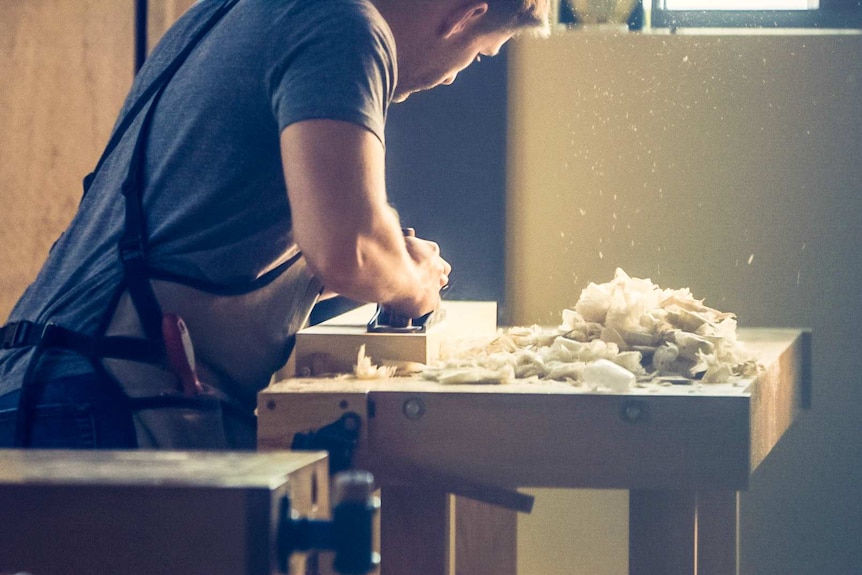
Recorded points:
215,199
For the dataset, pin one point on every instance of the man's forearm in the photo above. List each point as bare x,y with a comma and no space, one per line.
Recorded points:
351,237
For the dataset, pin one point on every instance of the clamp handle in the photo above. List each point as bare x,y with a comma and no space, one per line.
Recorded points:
349,534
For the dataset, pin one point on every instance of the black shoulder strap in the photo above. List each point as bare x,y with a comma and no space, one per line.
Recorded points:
133,243
157,84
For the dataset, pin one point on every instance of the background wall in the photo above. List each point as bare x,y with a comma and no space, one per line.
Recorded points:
446,175
728,164
65,68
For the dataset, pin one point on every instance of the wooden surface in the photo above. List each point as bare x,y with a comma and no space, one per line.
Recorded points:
332,346
532,434
136,468
65,68
415,531
696,531
684,452
144,512
431,531
485,538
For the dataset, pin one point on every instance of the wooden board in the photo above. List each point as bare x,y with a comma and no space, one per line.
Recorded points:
143,512
428,531
556,435
332,346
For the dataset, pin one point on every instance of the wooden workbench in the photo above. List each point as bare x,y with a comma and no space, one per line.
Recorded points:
684,452
141,512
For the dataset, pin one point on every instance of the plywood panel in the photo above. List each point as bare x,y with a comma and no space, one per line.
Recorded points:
65,68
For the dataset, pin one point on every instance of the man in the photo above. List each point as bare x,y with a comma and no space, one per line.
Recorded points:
245,177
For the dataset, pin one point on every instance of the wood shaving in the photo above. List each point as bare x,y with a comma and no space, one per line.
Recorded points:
657,334
364,369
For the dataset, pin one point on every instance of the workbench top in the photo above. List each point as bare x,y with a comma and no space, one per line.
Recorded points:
145,468
552,434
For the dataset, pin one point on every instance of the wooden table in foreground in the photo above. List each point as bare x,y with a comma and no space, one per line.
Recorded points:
684,452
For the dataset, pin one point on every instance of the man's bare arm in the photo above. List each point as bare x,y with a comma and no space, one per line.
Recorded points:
342,221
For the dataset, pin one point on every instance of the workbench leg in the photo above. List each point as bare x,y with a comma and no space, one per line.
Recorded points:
717,532
414,531
485,538
683,532
661,532
427,532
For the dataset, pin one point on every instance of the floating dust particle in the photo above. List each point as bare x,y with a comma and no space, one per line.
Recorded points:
750,259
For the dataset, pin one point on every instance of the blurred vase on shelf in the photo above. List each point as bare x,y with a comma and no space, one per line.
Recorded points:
601,12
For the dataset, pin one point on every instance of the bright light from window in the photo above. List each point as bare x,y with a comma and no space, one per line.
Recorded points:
741,4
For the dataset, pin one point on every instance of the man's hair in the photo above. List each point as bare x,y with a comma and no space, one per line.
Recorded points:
518,15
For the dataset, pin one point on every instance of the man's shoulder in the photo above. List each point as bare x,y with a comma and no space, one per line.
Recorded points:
335,16
342,10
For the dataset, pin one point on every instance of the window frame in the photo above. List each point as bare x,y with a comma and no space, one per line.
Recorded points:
830,14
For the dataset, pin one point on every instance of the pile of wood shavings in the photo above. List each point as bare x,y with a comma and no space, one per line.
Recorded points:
655,333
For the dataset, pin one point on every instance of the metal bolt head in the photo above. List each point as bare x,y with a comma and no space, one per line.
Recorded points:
413,408
633,411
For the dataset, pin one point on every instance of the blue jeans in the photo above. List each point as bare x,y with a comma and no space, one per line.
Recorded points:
75,412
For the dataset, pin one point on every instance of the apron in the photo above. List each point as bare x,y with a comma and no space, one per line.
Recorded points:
165,334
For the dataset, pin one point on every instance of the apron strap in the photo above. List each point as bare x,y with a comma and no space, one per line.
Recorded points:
44,335
132,252
133,243
159,83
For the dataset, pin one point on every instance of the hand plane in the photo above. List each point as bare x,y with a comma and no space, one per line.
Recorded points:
385,320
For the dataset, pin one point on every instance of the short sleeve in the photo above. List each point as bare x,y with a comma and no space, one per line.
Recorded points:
337,64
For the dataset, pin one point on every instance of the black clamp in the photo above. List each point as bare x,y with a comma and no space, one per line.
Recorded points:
338,438
349,534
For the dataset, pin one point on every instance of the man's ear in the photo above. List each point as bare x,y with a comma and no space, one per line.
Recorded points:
463,18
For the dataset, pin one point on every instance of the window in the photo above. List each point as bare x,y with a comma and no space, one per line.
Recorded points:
740,5
756,13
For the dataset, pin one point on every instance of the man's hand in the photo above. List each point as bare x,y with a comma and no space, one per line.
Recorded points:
426,254
342,221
